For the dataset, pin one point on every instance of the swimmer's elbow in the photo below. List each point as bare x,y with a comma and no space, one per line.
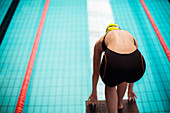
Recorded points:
95,72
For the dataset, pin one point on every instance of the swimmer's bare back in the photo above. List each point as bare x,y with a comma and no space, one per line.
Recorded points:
121,41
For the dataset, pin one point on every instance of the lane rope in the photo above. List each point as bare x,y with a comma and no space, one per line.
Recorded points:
23,92
165,47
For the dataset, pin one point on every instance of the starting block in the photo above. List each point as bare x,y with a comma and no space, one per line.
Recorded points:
128,107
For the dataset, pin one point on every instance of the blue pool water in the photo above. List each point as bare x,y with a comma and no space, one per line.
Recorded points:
153,89
61,76
4,5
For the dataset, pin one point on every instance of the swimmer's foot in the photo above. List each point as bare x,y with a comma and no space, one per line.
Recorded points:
120,107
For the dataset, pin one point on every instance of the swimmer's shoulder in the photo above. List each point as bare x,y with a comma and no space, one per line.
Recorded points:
128,34
114,32
132,38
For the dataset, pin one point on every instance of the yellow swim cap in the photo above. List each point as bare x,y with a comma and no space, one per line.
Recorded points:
111,27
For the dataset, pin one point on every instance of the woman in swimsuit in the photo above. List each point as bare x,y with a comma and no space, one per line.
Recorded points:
122,64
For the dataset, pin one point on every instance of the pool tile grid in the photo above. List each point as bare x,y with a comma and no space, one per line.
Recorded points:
152,88
15,51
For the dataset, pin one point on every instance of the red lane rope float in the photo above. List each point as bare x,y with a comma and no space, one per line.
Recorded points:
165,47
23,92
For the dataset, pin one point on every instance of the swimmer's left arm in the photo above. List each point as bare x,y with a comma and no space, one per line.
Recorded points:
96,66
96,62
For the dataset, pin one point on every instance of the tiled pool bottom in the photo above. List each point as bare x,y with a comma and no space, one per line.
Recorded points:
61,77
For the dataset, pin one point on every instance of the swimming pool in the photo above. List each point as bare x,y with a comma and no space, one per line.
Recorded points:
61,76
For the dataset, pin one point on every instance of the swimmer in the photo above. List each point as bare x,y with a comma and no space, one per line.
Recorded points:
122,64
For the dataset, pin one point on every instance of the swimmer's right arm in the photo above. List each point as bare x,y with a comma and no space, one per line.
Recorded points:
131,93
130,86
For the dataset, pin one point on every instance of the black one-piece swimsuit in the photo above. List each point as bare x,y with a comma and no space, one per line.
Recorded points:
117,68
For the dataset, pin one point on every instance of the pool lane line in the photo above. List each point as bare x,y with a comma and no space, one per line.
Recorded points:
165,47
7,19
23,92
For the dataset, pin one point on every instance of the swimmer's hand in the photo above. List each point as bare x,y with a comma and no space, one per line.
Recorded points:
131,96
93,99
